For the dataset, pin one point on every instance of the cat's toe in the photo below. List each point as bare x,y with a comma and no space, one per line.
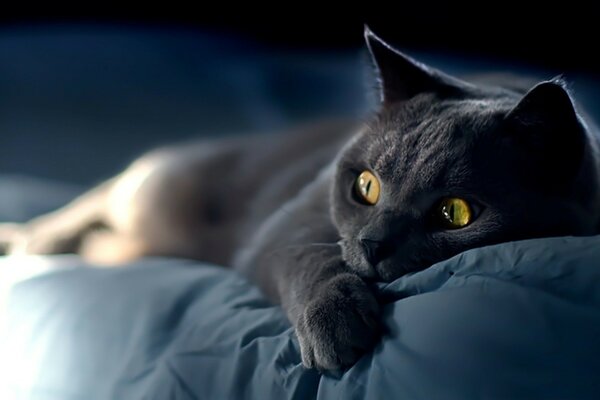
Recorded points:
337,327
306,351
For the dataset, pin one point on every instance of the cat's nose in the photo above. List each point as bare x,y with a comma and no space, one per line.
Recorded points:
375,250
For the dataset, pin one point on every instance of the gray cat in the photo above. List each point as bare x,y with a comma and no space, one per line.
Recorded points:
314,216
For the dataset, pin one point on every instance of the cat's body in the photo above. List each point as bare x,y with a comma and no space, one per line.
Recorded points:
297,215
202,200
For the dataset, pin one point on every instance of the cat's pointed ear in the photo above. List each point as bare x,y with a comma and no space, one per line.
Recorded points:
401,77
547,104
546,127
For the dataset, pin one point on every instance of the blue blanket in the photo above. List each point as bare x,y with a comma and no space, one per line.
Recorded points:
518,320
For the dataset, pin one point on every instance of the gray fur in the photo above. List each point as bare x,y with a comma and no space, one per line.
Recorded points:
281,209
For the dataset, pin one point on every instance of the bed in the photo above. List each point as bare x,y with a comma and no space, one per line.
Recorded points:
517,320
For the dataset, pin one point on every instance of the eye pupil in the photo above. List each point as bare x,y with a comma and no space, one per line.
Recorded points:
455,212
367,188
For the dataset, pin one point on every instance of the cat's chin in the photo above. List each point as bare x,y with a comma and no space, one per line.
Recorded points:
389,270
385,271
364,270
393,268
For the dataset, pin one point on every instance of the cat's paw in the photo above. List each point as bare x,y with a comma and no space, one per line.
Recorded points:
339,325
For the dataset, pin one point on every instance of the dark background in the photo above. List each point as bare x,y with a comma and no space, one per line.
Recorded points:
84,91
559,37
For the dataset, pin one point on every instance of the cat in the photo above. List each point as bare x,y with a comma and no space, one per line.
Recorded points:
315,216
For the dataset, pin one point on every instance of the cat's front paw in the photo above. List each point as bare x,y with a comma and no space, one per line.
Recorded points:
339,325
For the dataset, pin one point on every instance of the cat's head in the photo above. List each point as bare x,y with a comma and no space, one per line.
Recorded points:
446,166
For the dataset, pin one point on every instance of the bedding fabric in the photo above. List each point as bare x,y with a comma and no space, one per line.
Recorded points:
518,320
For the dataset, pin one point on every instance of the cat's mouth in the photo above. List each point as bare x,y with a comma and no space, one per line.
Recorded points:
385,270
356,261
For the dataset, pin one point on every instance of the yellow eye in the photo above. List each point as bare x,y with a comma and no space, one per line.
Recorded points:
455,212
367,187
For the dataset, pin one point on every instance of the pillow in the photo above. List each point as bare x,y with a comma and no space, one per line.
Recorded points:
517,320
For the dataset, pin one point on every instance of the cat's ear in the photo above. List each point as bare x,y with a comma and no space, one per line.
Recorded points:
547,104
401,77
545,124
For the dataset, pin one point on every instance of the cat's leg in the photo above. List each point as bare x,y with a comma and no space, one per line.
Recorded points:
168,204
60,231
123,208
157,206
119,206
110,248
297,262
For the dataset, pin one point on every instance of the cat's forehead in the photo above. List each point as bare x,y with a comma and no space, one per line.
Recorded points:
427,115
431,140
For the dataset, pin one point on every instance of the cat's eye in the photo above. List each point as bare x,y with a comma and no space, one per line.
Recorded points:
455,212
367,188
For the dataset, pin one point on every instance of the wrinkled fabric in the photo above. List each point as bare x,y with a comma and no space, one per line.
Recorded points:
517,320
